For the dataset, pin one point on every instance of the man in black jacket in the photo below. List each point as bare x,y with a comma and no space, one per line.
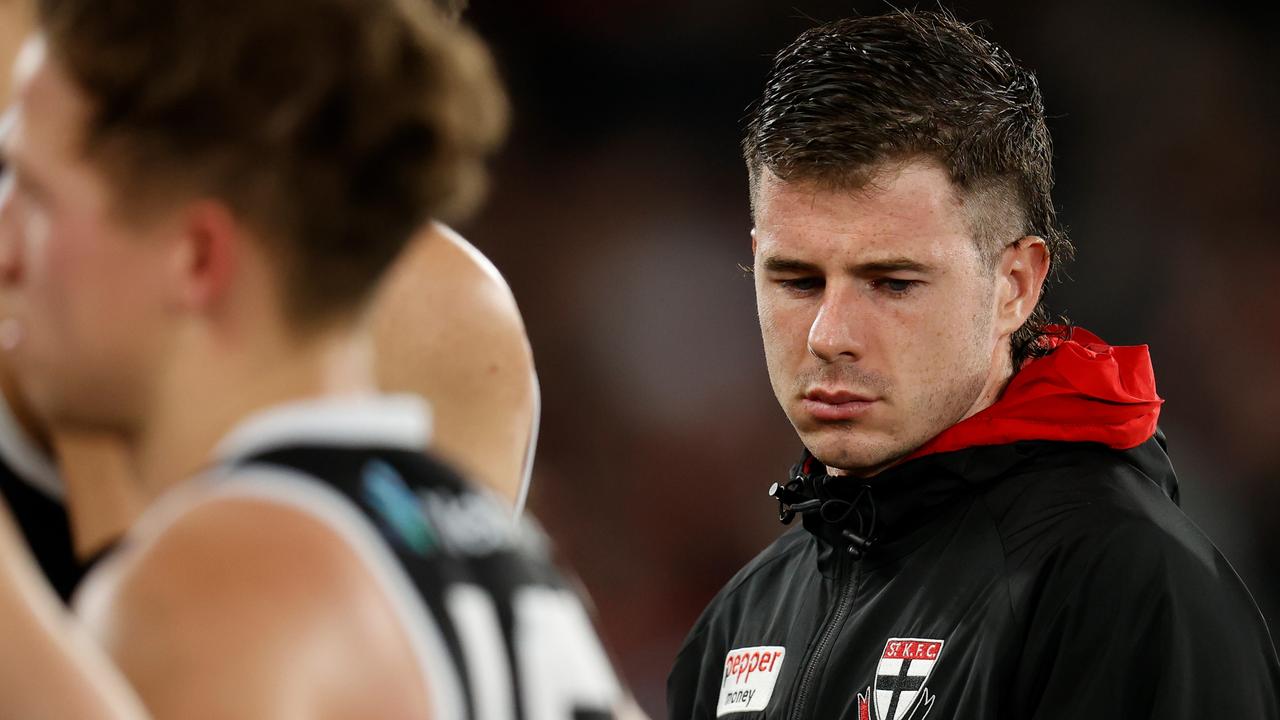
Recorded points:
989,520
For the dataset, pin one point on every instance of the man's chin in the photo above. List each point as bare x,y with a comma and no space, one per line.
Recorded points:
858,457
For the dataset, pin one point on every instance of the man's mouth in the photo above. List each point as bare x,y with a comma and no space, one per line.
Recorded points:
833,405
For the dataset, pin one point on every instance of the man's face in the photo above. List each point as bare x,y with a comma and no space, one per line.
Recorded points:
80,300
877,312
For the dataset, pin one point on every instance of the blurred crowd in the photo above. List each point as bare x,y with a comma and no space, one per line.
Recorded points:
619,215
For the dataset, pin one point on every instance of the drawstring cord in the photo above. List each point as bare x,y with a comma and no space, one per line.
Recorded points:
834,511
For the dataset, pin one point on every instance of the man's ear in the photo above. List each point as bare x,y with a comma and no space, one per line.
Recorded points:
1019,281
205,257
753,242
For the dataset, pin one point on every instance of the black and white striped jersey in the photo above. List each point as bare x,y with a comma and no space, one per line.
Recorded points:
497,630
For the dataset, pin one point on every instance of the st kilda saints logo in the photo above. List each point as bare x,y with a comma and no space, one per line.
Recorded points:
899,692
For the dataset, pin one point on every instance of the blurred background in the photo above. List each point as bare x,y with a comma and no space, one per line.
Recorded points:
619,215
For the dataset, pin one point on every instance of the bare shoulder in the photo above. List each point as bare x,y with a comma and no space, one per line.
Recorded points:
249,608
446,326
443,287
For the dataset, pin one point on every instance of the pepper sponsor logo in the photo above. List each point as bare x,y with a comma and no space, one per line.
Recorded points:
749,677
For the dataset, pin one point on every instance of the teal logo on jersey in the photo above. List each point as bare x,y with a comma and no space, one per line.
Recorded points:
397,507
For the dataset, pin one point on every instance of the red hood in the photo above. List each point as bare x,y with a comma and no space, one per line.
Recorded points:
1084,391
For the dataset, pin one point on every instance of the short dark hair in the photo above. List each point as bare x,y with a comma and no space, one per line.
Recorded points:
334,127
851,96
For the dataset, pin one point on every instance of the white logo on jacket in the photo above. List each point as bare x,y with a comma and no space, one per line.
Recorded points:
749,676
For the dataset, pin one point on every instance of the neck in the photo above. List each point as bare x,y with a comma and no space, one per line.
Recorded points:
208,393
997,380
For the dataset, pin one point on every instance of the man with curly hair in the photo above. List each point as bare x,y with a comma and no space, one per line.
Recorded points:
199,203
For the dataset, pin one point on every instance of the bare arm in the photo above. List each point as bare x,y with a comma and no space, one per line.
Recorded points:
247,609
447,327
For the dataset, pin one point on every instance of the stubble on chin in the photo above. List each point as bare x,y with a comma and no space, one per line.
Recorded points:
853,450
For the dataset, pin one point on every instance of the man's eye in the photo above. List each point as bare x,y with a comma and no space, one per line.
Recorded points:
895,286
802,284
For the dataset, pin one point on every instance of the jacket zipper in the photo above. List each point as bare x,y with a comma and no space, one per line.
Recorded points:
847,592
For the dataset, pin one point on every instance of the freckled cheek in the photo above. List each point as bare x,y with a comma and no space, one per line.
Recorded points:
913,347
785,337
785,329
940,352
898,334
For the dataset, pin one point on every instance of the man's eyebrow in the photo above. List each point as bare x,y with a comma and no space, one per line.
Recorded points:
873,267
898,264
784,265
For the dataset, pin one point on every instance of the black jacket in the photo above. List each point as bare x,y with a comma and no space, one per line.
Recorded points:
1029,580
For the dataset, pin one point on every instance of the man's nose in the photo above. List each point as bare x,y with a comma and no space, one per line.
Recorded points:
837,328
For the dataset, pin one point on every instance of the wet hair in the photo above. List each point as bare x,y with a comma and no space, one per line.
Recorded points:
334,128
853,97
